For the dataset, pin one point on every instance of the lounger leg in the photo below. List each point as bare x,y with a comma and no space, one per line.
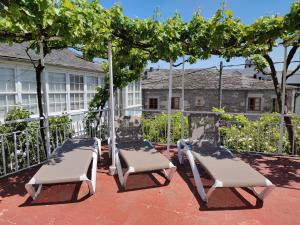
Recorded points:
119,169
199,184
217,184
99,148
128,172
31,190
262,195
172,170
94,173
179,152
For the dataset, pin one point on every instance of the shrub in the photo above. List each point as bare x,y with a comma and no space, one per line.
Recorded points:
155,127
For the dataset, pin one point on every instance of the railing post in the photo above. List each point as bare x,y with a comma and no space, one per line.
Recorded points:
258,136
3,154
16,151
38,145
27,149
56,134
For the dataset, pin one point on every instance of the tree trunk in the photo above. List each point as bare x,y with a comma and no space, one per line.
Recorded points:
38,72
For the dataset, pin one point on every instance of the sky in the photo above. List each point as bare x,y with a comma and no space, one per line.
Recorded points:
246,10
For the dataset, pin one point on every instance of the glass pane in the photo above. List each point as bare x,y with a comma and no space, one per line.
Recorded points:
7,78
52,107
11,100
25,99
2,100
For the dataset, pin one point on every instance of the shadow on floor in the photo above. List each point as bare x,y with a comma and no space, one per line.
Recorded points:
58,194
282,171
222,198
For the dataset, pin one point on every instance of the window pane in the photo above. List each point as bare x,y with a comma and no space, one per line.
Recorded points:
28,81
57,82
7,79
153,103
130,99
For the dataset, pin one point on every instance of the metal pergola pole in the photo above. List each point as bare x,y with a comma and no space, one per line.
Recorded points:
283,101
112,168
45,100
182,100
169,108
220,85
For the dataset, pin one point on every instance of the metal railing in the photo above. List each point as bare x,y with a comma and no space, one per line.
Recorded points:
25,146
249,132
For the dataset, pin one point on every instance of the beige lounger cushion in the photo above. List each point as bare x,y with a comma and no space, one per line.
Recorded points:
142,156
224,167
70,162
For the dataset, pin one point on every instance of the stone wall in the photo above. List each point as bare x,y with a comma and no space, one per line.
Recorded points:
204,100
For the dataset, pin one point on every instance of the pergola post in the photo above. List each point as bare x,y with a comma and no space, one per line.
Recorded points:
169,108
112,168
220,85
182,100
45,100
283,101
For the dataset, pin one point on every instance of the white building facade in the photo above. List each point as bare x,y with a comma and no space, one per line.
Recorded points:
70,82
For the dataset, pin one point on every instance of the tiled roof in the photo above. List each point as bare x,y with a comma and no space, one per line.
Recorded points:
64,57
204,79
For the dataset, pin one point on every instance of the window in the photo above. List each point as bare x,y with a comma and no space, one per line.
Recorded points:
29,96
57,92
29,102
254,104
7,90
153,103
175,102
76,101
28,81
76,92
76,83
91,84
7,102
134,93
7,80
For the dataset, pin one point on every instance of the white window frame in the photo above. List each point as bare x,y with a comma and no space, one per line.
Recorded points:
11,93
79,92
57,93
134,92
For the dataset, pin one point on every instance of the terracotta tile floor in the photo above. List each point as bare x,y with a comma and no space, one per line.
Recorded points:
150,201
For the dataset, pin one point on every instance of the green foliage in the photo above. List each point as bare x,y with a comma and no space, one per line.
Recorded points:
26,134
261,134
155,127
60,130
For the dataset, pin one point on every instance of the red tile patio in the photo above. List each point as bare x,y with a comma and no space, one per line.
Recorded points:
150,201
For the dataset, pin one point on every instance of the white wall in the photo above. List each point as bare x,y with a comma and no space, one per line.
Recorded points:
18,67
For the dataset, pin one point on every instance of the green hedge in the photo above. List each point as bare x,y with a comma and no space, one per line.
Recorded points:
155,127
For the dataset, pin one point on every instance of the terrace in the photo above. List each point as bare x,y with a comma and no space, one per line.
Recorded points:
147,198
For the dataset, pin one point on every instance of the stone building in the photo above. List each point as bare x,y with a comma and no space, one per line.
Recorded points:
240,93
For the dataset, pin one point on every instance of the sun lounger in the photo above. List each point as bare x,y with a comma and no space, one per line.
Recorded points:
69,163
138,155
223,167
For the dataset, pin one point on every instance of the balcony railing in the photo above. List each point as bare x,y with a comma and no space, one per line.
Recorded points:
25,146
